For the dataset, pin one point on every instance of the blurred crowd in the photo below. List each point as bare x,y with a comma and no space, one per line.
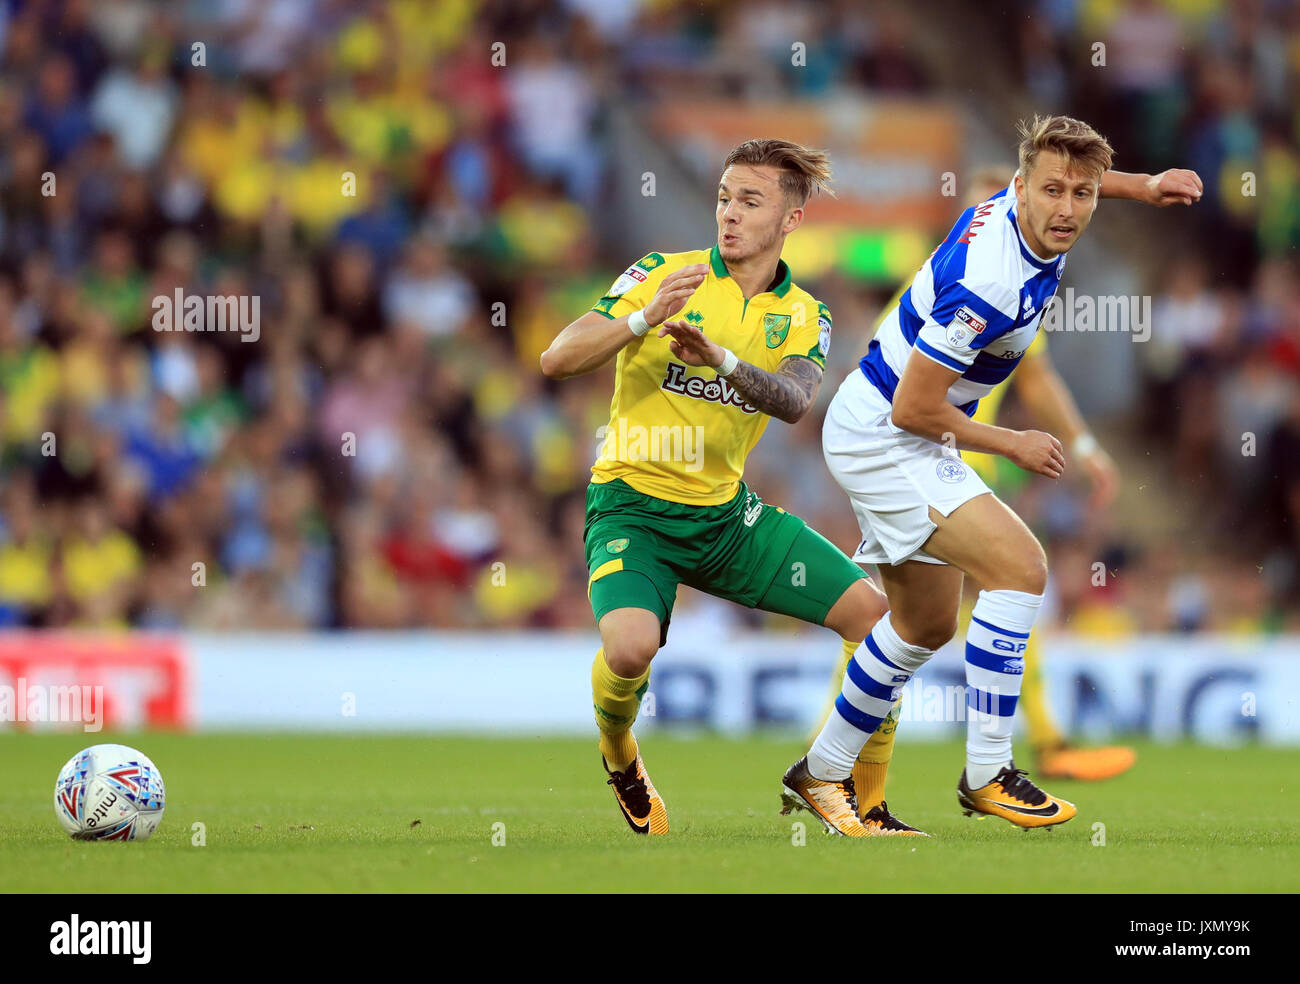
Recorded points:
418,218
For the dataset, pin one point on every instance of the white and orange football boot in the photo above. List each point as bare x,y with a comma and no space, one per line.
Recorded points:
835,804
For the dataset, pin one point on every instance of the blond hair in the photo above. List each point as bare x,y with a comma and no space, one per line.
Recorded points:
1083,148
802,169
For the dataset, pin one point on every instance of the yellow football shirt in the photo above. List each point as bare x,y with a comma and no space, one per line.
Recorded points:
680,432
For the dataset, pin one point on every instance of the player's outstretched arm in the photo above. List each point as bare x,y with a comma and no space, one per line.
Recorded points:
593,339
1177,186
785,394
921,407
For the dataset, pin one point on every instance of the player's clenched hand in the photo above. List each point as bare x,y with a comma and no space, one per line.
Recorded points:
673,293
1037,452
688,344
1173,187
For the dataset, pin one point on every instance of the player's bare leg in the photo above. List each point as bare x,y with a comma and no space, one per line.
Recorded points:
924,601
857,611
630,639
993,545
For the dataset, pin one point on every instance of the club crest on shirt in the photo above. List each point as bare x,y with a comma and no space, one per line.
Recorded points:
965,325
617,546
776,327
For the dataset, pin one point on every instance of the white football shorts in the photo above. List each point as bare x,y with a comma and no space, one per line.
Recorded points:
891,477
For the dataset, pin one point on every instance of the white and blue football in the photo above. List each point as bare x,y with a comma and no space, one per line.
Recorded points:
109,792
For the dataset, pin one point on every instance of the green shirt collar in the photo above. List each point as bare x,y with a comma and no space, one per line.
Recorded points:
782,272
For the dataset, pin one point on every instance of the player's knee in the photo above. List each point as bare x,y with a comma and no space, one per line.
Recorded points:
1024,571
864,606
630,647
934,634
1034,574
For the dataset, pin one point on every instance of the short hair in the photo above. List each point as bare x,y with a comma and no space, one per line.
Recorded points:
1082,147
802,168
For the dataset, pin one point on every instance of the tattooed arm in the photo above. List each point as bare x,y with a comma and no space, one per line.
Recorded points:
785,394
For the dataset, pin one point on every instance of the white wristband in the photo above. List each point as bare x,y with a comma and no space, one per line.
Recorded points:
637,322
729,362
1084,445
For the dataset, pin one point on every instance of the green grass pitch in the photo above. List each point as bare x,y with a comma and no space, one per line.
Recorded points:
290,813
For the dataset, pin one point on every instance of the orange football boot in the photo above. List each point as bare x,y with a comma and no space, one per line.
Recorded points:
642,807
1084,764
1013,797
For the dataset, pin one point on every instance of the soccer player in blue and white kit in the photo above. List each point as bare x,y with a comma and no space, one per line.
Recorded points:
891,440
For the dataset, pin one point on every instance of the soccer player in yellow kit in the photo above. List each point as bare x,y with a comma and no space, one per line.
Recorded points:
710,344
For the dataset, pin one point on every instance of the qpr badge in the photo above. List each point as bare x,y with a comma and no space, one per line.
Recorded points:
951,471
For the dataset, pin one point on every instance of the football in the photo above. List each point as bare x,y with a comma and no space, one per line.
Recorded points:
109,792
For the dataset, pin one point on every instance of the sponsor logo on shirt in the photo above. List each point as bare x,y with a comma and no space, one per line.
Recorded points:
716,390
631,277
971,320
965,325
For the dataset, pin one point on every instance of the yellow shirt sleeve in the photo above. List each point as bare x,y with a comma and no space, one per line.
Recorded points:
810,337
635,288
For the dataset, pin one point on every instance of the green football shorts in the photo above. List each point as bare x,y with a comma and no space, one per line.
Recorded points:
639,548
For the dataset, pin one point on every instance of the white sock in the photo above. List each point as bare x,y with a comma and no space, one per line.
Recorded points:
876,676
995,664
